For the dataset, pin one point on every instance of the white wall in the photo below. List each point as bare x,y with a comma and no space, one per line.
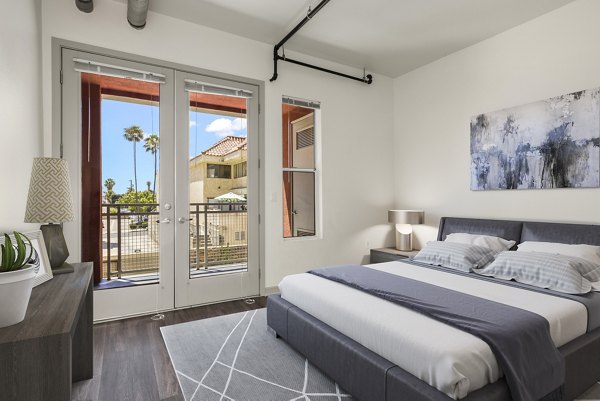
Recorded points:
554,54
357,125
20,108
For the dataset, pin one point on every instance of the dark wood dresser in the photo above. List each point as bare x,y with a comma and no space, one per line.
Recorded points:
53,347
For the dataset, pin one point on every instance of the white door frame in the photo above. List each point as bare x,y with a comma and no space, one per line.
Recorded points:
59,126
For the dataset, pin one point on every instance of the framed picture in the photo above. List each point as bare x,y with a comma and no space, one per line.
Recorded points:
39,258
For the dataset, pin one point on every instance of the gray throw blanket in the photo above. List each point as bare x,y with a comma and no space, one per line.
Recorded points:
519,339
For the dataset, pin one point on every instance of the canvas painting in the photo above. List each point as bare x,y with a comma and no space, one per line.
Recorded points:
553,143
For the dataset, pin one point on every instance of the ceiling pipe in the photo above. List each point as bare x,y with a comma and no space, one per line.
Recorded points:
366,78
87,6
137,13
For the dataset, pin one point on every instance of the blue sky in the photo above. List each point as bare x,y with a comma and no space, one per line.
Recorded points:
117,153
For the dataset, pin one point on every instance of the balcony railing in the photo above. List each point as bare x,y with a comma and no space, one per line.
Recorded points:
131,242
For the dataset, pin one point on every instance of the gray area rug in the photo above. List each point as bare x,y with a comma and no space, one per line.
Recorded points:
233,357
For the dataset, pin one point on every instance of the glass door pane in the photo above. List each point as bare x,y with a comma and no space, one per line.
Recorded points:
217,230
125,114
218,185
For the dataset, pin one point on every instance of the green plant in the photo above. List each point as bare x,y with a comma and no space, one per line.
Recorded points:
138,198
138,225
152,144
14,257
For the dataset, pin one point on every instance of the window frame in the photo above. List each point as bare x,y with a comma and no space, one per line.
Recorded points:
243,166
317,171
224,166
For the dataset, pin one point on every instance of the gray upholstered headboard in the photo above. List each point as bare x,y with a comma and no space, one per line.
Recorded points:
563,233
520,231
506,229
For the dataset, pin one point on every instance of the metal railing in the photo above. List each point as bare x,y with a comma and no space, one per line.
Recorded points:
218,234
131,243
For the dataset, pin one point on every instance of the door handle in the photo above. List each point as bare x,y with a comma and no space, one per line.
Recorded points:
166,220
182,220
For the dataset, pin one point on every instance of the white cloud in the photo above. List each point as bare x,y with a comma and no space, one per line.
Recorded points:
224,126
192,123
239,124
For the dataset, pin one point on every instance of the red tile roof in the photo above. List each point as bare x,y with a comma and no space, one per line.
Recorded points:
226,146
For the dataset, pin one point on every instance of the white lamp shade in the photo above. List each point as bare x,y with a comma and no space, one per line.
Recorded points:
49,199
406,216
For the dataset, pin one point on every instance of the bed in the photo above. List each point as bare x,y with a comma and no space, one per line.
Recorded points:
366,361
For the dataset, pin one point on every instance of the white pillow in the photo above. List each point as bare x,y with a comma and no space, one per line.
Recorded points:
587,252
496,244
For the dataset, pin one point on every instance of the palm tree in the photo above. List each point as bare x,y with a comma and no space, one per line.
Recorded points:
152,144
134,134
148,183
109,183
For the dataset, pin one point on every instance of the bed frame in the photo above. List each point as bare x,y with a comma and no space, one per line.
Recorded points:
370,377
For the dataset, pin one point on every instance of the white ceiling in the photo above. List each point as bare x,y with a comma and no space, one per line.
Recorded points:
389,37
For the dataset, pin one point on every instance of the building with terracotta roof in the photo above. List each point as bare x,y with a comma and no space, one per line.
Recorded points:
220,169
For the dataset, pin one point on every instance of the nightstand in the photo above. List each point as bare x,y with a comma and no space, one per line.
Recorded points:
382,255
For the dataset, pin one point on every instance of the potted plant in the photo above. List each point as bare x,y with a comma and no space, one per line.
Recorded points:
16,278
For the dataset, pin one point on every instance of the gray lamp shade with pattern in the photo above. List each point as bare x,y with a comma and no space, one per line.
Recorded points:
50,201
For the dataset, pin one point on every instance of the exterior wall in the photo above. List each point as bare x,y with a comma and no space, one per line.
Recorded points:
203,188
214,187
554,54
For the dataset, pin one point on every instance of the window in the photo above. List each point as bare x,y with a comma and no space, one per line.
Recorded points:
240,170
218,171
240,235
300,167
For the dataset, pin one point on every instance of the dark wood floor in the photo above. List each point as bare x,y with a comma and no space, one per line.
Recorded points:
131,362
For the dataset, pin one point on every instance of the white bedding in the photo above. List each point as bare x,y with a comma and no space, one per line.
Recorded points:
449,359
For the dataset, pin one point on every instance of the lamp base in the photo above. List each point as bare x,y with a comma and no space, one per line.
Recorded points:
403,241
56,247
65,268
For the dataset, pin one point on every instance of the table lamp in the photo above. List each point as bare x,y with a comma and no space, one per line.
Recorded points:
404,220
50,201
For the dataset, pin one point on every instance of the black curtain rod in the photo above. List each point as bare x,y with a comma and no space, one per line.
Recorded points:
368,79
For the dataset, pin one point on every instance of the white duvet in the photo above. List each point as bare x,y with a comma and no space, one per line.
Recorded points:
449,359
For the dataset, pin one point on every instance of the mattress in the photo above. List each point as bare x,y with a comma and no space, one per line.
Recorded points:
446,358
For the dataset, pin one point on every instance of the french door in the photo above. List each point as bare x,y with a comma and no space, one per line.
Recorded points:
216,234
164,164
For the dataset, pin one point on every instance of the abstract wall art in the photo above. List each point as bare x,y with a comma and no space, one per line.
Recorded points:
553,143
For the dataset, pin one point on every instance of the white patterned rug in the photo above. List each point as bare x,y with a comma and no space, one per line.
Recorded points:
234,358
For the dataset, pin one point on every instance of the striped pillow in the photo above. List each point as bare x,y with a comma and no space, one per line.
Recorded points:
463,257
560,273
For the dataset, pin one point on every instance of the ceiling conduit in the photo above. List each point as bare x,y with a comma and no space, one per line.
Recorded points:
87,6
137,13
368,78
